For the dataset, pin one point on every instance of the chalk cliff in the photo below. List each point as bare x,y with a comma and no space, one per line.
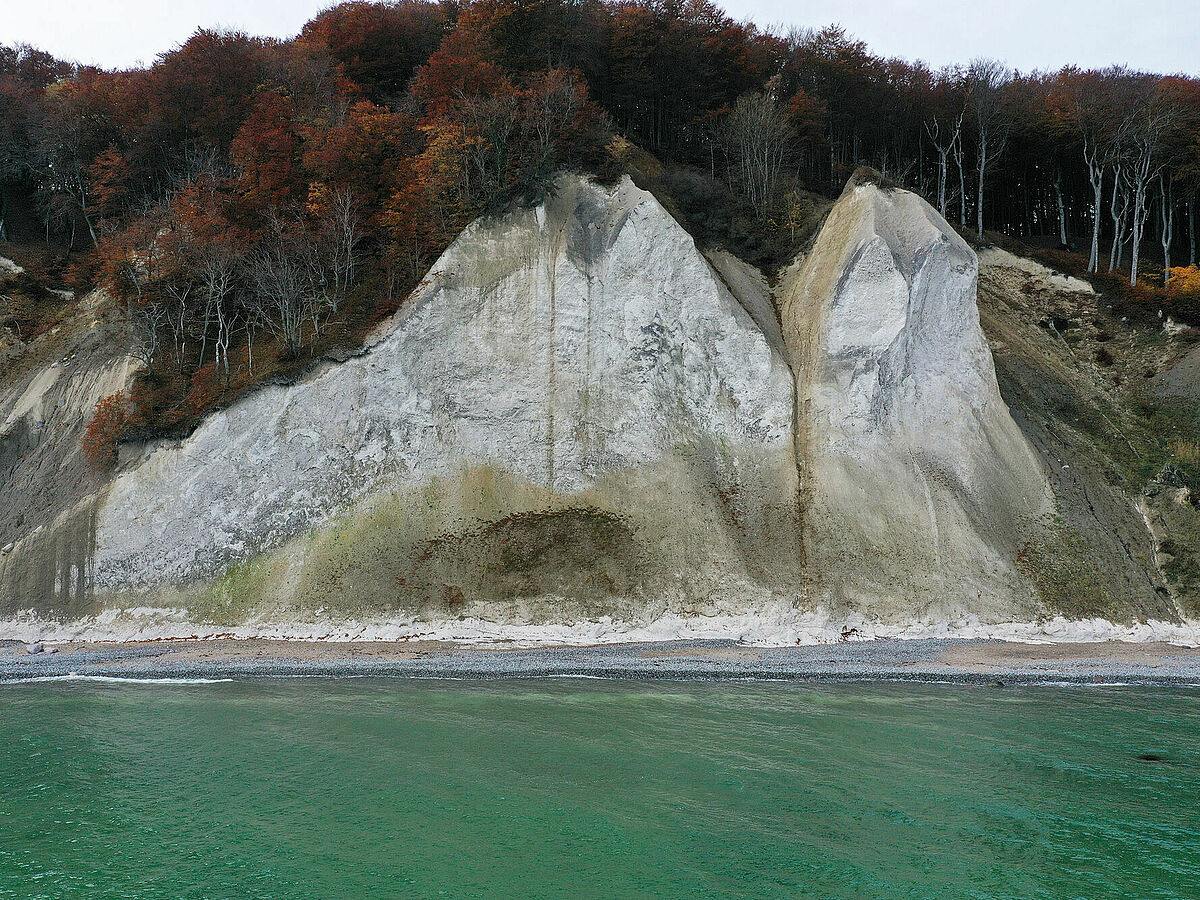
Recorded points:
573,407
49,493
578,414
920,490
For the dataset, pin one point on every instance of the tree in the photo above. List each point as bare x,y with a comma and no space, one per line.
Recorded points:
1147,129
206,245
556,116
491,126
337,237
1087,103
198,95
378,46
674,65
77,128
99,443
280,282
455,69
1119,207
266,152
361,153
111,190
266,188
1181,152
985,82
757,134
1167,221
25,73
944,128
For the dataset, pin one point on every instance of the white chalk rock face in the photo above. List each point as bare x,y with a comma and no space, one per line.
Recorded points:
918,485
581,359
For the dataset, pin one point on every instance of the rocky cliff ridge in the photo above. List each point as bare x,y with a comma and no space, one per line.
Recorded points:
920,490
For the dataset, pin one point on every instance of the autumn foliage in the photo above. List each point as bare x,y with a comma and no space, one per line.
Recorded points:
104,429
255,203
1185,282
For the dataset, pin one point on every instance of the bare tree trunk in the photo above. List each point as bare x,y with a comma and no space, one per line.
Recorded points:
204,333
1140,176
962,182
1136,224
1096,176
1117,209
177,320
933,129
980,172
1145,166
1167,222
758,134
986,80
943,174
1192,231
225,318
1062,212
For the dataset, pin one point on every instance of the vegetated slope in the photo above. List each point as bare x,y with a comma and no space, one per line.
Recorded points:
1085,388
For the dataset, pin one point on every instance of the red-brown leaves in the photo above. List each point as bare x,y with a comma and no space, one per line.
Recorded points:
377,45
266,150
108,423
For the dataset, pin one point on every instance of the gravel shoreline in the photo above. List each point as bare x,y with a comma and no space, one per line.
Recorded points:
956,661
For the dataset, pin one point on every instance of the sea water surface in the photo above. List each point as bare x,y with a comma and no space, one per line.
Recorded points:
358,788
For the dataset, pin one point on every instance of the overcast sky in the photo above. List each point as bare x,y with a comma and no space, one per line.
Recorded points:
1157,35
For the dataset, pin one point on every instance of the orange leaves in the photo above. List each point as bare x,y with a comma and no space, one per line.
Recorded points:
487,140
435,199
204,390
288,164
123,258
99,443
807,116
267,152
109,177
377,45
204,89
454,70
1185,282
361,152
443,164
1183,293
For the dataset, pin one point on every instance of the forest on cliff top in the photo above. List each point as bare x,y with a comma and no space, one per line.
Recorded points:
254,203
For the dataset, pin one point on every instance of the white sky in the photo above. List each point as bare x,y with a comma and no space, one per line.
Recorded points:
1157,35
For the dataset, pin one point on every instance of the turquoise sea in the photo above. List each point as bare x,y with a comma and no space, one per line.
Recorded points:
358,788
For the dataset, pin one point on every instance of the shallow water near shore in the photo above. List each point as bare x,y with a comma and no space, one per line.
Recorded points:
342,788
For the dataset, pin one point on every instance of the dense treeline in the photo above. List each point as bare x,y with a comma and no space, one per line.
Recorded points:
252,201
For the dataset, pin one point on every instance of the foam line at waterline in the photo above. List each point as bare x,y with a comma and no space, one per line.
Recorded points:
114,679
